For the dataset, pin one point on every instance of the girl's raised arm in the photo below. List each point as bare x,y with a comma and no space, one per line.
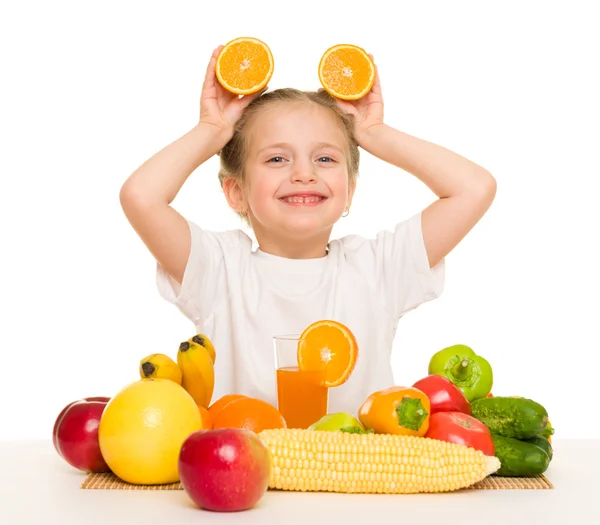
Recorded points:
464,189
147,194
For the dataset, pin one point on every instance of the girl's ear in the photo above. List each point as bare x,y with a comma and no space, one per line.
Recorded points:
234,194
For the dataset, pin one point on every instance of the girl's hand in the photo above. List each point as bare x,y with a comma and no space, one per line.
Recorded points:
218,106
367,111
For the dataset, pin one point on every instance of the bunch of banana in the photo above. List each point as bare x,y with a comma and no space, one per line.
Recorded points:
196,358
160,366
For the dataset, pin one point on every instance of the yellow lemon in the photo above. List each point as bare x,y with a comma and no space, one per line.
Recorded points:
143,428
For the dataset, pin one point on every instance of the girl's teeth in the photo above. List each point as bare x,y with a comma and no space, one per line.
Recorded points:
302,199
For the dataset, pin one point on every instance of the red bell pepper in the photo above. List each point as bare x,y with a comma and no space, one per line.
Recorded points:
457,427
443,394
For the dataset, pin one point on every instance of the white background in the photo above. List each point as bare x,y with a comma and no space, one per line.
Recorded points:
89,91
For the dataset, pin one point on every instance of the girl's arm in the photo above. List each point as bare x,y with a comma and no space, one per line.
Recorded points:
147,194
465,189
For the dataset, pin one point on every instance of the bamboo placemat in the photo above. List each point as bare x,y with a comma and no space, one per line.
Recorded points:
108,481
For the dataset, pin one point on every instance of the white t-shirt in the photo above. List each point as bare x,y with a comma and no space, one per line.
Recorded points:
240,298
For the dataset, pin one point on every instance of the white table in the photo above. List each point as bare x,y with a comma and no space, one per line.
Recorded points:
38,487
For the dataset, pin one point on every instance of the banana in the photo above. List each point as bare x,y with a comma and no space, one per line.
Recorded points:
198,372
160,366
204,341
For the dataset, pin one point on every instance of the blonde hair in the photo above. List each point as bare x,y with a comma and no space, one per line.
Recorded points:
233,155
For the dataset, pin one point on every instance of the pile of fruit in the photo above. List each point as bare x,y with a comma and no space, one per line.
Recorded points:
445,432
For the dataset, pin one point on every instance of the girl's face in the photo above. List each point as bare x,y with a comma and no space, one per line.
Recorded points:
296,171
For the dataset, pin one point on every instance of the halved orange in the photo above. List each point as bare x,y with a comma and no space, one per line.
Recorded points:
346,72
244,65
328,347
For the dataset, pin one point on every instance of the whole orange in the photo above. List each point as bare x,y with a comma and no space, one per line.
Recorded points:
206,418
221,403
249,413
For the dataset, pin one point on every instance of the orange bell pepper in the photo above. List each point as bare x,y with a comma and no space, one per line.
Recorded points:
396,410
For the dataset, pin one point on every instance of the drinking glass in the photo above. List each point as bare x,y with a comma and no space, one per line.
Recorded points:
301,398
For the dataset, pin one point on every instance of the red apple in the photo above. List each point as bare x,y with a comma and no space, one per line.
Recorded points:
443,394
103,399
77,436
225,469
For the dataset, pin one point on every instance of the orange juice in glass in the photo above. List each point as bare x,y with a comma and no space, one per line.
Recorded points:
301,398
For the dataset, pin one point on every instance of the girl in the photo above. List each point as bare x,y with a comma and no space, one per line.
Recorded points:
289,162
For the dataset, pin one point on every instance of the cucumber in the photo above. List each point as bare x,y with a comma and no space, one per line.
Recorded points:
519,458
543,443
514,417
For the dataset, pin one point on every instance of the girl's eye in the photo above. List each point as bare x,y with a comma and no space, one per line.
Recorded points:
276,159
325,159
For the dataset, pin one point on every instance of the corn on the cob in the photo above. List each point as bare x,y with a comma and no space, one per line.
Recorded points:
311,460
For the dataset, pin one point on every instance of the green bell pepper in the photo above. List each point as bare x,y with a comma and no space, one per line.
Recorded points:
470,372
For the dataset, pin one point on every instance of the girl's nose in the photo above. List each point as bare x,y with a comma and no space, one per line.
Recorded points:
303,171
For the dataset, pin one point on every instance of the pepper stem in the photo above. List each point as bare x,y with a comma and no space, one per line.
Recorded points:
462,370
411,413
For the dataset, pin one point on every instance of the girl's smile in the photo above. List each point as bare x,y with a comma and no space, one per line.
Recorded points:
303,199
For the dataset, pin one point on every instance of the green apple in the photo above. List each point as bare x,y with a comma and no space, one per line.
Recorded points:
340,421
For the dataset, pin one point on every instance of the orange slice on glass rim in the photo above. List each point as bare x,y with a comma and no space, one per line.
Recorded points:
244,65
346,71
328,347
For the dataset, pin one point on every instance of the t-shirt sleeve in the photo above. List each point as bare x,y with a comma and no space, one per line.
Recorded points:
204,280
401,268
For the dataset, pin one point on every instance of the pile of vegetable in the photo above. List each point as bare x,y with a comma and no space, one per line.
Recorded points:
454,403
514,429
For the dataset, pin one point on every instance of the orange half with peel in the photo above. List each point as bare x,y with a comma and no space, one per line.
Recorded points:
244,65
328,347
346,71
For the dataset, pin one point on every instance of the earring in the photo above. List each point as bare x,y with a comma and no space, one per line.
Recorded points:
346,213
